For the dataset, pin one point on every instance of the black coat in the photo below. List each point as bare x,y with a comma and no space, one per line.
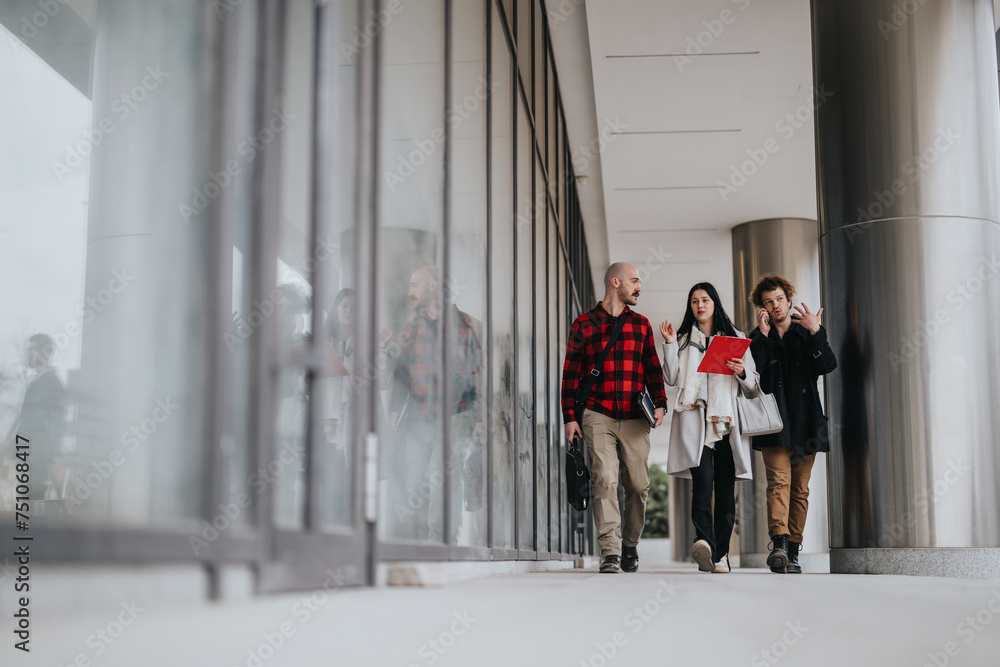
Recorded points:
789,368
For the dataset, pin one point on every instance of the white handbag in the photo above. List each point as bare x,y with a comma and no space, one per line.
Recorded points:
759,413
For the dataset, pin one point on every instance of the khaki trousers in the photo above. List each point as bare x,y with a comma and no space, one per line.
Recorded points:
613,443
787,491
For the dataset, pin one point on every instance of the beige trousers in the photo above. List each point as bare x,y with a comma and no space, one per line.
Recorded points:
612,443
787,491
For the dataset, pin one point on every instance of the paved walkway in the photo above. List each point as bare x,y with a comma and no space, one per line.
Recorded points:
669,615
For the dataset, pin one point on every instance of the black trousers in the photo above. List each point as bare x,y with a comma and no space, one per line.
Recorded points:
717,469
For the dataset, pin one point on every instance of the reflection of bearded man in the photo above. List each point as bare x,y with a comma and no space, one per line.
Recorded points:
420,387
424,287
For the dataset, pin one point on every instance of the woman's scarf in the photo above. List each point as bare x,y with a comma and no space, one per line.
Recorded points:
709,390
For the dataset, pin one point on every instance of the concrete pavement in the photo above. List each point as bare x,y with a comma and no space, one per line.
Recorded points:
663,615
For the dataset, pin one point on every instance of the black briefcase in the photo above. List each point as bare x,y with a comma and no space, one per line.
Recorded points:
577,476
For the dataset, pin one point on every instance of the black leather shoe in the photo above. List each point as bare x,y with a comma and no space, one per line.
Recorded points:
777,560
793,566
611,565
630,559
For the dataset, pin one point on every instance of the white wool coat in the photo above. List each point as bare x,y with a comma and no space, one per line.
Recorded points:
687,428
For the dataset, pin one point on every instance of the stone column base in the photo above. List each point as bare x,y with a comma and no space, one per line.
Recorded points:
963,563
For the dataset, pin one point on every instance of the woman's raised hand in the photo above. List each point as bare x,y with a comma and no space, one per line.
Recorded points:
667,331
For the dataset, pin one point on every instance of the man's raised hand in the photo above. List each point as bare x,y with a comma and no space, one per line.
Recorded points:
808,319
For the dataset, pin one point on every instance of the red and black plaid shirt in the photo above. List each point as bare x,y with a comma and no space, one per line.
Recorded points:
418,370
629,367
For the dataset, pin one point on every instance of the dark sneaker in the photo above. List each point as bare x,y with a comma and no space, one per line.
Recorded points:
702,554
630,559
777,560
611,565
793,566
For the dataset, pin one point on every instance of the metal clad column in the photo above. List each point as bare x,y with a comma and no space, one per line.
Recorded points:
907,164
790,247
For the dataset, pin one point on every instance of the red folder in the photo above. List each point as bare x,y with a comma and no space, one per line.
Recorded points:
721,350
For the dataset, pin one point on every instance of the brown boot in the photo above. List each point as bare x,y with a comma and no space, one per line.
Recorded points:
612,564
793,566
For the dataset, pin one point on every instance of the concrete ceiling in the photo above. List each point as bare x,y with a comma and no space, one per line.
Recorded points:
681,90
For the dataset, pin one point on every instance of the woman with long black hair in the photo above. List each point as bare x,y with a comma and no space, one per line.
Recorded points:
706,443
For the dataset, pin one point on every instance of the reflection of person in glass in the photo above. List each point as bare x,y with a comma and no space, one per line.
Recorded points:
42,416
340,336
339,329
416,404
293,399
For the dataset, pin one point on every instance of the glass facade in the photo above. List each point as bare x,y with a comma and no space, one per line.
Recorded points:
288,283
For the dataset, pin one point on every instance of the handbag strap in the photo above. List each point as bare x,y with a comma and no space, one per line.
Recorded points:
595,372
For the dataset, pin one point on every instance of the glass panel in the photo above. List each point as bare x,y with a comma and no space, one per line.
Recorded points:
236,438
466,295
538,108
552,162
104,325
525,328
293,290
410,284
524,42
508,8
563,317
554,367
540,321
560,174
342,377
501,302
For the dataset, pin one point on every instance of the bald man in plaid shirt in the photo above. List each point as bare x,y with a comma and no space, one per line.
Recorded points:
613,424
